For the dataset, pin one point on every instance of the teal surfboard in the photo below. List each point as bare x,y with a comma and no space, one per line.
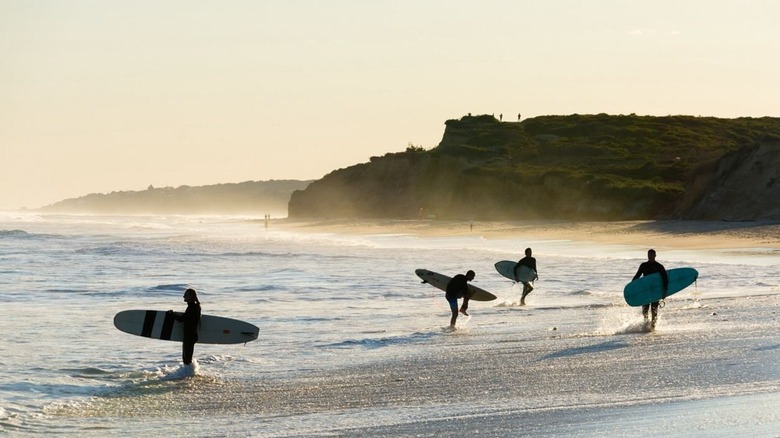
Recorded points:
648,289
507,269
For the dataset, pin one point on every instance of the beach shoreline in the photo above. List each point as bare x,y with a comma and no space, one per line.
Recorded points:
700,235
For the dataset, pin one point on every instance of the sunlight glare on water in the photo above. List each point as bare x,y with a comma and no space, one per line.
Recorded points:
351,342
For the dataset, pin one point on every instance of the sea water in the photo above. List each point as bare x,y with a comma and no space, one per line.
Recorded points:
352,344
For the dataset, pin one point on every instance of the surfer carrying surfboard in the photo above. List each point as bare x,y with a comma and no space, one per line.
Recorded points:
456,288
530,263
190,319
651,267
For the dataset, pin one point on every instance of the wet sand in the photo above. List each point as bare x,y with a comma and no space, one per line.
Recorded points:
491,381
659,234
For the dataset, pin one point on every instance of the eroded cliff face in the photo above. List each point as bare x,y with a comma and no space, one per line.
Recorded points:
742,185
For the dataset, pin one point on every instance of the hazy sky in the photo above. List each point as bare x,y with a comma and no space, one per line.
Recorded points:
100,96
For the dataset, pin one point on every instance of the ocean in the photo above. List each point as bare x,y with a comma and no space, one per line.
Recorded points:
352,344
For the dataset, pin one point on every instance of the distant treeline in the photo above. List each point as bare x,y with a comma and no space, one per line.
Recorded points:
250,197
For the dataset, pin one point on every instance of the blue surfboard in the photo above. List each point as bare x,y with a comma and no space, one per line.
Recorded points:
648,289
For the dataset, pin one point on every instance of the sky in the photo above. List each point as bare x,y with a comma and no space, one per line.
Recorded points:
105,95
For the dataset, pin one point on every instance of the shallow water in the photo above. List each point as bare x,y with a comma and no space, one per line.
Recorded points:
352,344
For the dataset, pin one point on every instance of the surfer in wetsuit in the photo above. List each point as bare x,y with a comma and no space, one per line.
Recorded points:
191,320
651,267
456,288
529,262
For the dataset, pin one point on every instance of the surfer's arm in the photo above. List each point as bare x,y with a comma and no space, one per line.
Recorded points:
665,281
638,272
181,317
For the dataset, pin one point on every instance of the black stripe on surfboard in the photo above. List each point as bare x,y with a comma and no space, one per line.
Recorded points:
149,318
167,327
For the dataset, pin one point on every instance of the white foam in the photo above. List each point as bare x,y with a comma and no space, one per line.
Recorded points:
180,372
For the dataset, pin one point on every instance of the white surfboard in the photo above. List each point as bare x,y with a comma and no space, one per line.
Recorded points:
441,281
159,324
507,269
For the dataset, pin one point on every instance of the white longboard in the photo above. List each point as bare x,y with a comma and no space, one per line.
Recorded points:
159,324
507,269
441,281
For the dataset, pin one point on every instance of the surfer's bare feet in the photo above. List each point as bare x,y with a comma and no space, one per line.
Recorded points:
463,311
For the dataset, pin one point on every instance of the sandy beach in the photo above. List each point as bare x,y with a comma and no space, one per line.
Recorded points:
659,234
353,344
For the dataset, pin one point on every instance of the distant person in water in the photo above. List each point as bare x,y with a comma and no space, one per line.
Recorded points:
458,287
528,262
651,267
191,320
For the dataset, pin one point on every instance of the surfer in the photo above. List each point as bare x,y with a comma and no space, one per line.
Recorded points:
529,262
456,288
191,319
651,267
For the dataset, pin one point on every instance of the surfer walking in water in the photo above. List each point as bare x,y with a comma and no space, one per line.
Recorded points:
191,319
651,267
456,288
530,263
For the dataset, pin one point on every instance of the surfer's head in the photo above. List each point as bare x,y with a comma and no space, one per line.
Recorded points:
191,295
651,254
528,252
470,275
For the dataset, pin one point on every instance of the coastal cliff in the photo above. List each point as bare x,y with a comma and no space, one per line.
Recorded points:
577,167
249,197
742,185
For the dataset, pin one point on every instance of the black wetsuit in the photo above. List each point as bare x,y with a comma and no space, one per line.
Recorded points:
457,287
526,261
646,269
191,320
